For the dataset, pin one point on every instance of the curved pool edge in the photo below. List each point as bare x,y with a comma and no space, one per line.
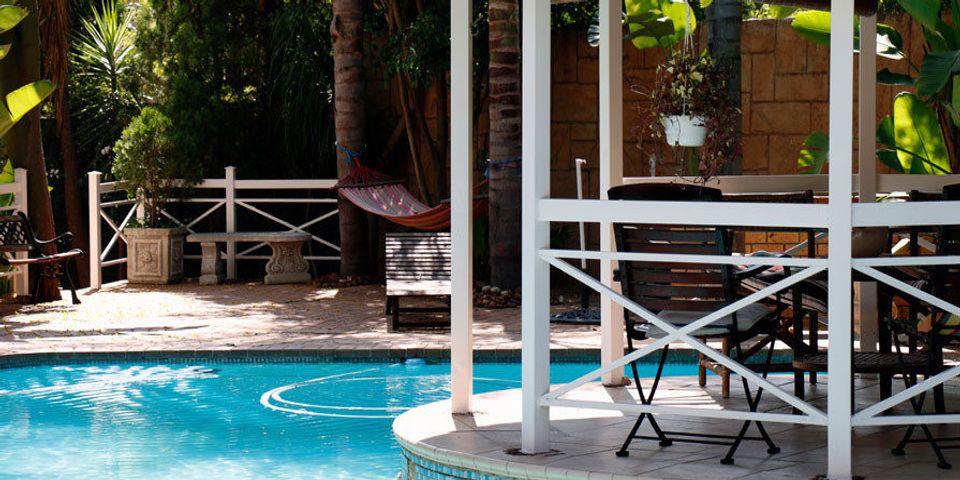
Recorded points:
440,445
292,355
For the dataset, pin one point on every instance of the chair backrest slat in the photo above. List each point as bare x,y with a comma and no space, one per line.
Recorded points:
659,286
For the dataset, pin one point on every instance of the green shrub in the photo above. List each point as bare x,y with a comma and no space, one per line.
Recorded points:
147,165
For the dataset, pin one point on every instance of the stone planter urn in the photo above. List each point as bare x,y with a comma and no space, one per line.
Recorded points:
684,130
155,255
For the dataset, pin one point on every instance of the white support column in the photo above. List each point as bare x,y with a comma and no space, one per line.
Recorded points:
839,428
867,129
461,205
21,284
93,213
230,197
611,173
535,428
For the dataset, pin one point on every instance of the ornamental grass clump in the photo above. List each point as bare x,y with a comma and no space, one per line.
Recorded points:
148,167
692,85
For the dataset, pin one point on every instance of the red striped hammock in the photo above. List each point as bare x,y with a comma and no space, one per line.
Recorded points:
384,196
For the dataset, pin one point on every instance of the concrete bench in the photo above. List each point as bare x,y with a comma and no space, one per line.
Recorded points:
286,264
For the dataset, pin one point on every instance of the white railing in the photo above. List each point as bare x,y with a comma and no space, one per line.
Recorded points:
18,189
110,205
756,215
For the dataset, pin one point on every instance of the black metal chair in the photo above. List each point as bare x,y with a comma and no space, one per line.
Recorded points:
933,330
52,257
681,293
808,299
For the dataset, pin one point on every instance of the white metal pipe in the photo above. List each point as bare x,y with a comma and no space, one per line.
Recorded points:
819,183
685,213
535,425
878,408
683,334
579,163
22,198
910,290
905,214
867,159
230,200
719,413
839,401
907,261
686,258
611,173
461,205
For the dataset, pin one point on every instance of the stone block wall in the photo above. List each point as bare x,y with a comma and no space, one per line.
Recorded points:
785,98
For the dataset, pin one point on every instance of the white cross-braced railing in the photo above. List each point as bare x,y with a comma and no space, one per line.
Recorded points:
108,207
747,215
685,213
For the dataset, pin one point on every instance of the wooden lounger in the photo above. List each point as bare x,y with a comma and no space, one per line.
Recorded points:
418,265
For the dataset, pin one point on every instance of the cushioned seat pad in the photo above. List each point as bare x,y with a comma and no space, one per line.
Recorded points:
747,318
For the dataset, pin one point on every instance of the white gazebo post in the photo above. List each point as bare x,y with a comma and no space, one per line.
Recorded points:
535,428
461,205
839,410
611,173
867,150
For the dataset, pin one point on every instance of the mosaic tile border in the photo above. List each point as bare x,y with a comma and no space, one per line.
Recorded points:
584,356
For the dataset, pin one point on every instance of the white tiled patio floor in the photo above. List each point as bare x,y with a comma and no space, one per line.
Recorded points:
585,440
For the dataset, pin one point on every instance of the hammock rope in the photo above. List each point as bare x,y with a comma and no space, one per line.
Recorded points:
387,197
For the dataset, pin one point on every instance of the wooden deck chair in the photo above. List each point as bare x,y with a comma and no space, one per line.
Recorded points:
417,265
680,293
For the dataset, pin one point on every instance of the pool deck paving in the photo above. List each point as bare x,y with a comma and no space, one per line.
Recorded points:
246,316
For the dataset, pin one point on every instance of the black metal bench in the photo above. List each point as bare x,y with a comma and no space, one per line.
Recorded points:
418,265
17,235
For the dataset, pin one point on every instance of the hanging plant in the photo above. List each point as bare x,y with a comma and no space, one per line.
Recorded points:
691,109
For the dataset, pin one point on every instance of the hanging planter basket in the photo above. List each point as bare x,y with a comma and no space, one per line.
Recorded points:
684,130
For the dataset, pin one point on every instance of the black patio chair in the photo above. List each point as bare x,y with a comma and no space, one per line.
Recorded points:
934,330
681,293
52,257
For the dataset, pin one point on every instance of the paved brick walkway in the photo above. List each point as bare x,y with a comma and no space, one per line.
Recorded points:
243,316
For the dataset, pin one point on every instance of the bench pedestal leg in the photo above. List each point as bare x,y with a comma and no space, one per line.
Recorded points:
211,268
287,264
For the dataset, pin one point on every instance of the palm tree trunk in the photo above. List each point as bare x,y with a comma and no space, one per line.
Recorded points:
55,32
505,143
24,142
724,27
350,120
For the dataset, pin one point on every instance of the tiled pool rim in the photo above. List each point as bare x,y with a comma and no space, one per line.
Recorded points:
586,356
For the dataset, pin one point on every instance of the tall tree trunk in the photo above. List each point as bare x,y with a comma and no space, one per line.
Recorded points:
724,27
505,143
55,34
24,143
350,119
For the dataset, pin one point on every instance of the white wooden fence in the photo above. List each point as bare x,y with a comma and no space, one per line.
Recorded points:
21,282
110,205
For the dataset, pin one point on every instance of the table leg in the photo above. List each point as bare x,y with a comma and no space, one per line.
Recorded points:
287,264
211,268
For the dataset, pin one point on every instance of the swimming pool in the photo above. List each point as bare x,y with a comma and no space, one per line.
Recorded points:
221,420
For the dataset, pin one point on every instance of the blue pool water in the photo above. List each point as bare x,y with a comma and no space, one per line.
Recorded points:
221,420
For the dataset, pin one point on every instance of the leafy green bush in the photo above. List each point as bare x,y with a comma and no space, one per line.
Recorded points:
148,166
105,83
